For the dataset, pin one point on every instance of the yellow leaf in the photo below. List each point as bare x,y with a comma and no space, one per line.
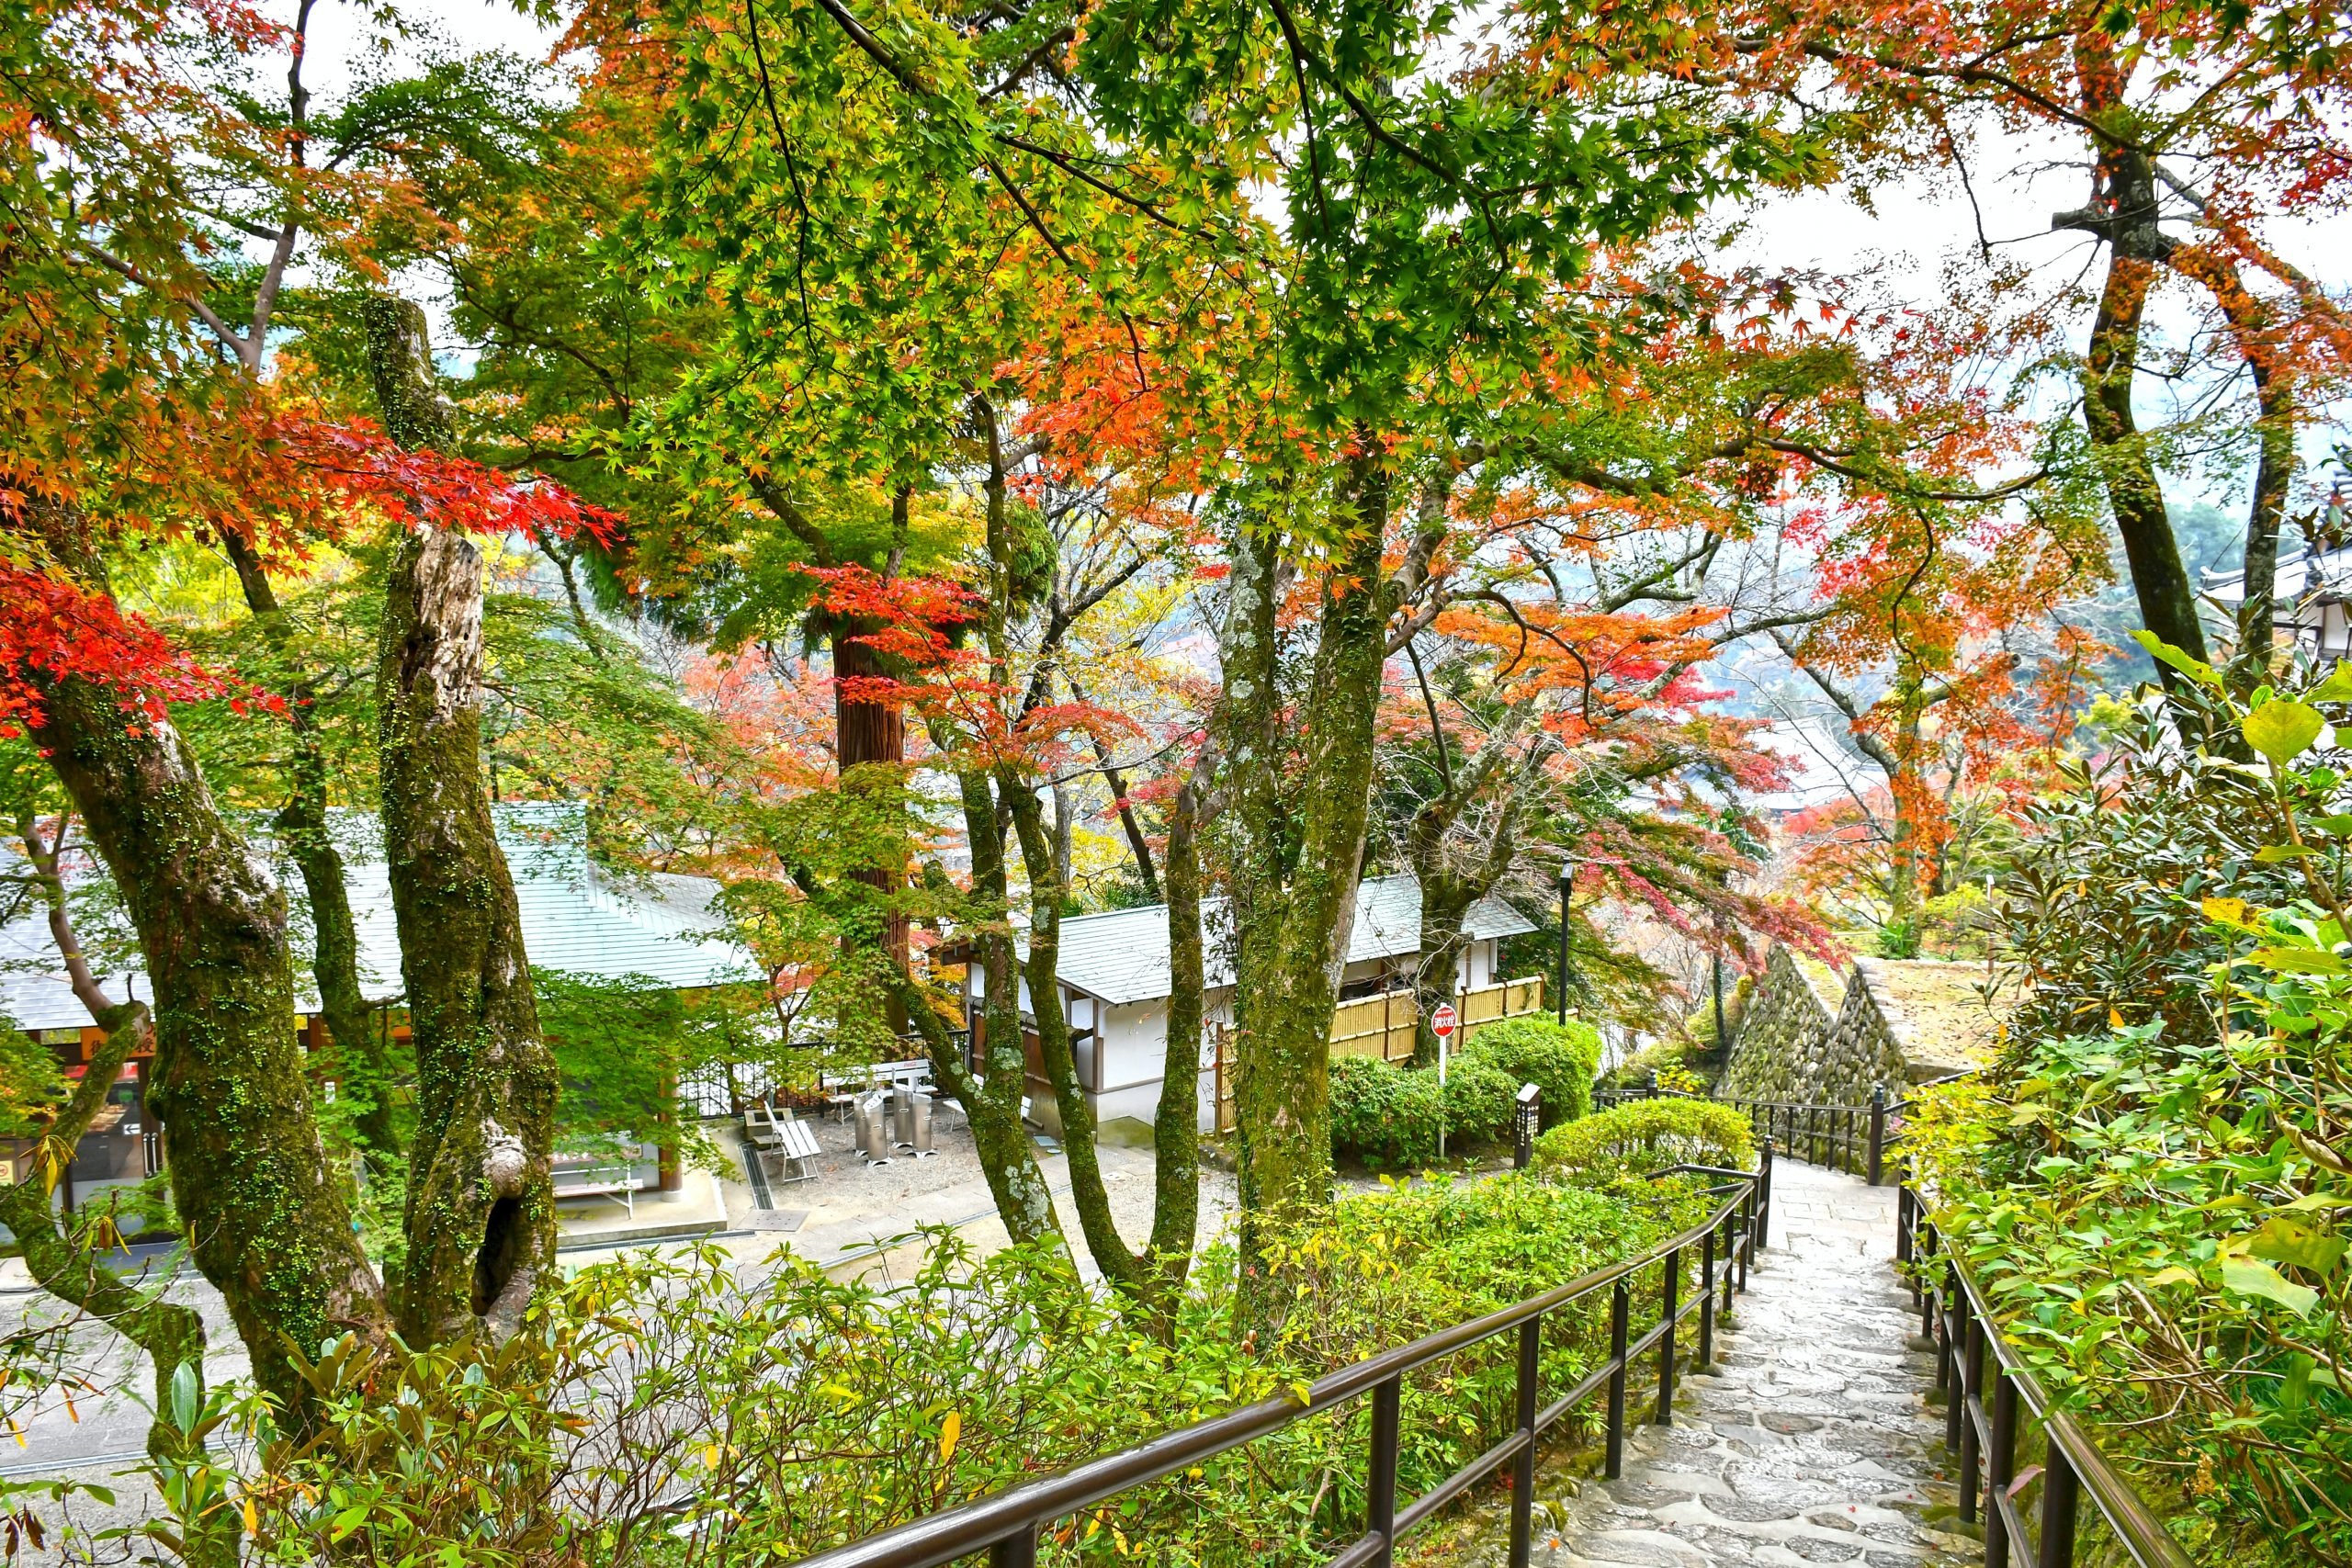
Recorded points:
2114,1019
951,1427
710,1455
252,1525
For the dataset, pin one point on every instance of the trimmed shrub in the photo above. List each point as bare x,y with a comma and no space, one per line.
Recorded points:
1478,1100
1386,1115
1649,1134
1559,1059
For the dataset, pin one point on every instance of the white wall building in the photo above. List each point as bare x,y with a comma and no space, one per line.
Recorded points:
1114,977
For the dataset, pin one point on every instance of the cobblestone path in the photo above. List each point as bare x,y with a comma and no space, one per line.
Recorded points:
1812,1442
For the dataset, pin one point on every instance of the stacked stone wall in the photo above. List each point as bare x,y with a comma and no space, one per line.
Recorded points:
1805,1039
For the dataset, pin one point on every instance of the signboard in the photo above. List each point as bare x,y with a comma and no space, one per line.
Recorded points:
1441,1022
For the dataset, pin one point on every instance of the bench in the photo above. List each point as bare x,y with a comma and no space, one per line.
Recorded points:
618,1182
795,1149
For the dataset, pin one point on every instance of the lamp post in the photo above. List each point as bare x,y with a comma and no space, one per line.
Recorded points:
1567,888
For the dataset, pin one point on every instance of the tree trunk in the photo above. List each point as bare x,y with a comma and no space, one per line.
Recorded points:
871,734
480,1214
1047,884
265,1222
302,829
2124,213
1008,1159
2274,475
481,1210
1175,1126
1295,941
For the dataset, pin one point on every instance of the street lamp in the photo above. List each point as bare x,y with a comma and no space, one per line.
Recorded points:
1567,888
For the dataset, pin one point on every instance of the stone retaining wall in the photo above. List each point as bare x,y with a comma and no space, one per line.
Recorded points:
1809,1037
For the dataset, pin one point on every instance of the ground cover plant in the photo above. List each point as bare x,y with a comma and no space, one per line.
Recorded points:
666,1410
2151,1183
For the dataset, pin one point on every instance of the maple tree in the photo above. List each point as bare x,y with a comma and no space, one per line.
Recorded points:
2218,119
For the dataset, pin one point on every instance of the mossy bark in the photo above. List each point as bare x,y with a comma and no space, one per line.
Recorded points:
265,1221
479,1220
302,829
1299,907
480,1211
2125,215
991,1102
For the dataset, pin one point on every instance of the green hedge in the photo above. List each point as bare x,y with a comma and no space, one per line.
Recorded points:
1650,1134
1560,1059
1386,1115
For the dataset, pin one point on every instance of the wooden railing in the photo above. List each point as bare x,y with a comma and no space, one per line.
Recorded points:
1384,1025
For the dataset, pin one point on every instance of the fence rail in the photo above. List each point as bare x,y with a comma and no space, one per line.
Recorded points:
1992,1400
1007,1526
1982,1424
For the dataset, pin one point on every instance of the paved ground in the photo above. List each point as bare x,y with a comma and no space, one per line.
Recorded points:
1814,1443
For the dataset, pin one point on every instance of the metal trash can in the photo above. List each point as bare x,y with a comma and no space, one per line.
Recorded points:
911,1121
873,1129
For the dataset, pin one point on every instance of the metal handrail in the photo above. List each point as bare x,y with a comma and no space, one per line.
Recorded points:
1007,1524
1983,1428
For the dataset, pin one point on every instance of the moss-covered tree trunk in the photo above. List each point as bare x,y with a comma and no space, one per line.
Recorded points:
479,1220
265,1221
1175,1126
303,831
2125,215
1295,927
992,1103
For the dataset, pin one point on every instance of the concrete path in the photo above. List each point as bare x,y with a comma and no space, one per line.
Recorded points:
1813,1443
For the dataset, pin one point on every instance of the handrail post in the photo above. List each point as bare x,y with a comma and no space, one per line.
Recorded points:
2062,1493
1707,1299
1952,1330
1620,1306
1017,1550
1522,1469
1380,1484
1902,1222
1878,1135
1763,1236
1923,1292
1972,1377
2001,1467
1671,1293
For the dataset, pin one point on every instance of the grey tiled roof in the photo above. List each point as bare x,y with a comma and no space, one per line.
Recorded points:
575,917
1121,956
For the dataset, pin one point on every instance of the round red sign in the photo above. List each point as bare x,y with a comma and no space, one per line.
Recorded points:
1441,1022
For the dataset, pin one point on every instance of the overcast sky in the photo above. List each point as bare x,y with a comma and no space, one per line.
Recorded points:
1900,247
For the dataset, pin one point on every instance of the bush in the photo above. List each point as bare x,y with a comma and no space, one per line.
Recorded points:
1386,1115
791,1413
1647,1135
1561,1060
1478,1098
2149,1183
